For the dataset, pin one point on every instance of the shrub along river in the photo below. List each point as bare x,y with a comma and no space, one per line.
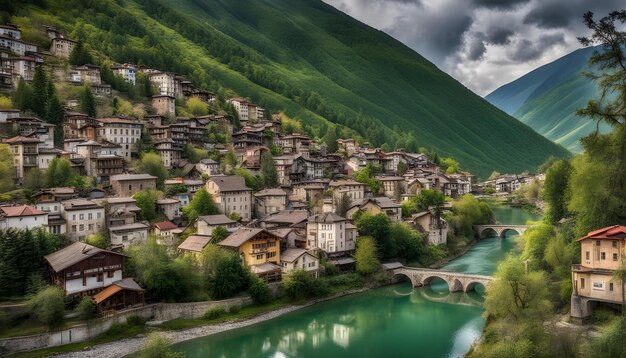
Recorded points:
392,321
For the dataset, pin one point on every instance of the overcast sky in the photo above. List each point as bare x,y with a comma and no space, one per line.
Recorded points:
482,43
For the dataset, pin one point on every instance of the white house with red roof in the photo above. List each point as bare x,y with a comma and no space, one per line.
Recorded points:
22,217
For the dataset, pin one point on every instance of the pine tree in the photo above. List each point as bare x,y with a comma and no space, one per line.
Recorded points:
22,95
40,92
88,102
80,55
55,113
268,171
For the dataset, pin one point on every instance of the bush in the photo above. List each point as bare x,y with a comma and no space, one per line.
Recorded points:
135,320
214,312
158,346
48,306
86,309
330,269
260,292
299,284
351,280
234,309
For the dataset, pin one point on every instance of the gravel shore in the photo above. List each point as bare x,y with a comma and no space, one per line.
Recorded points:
129,345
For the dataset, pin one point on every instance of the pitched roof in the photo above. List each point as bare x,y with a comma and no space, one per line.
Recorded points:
74,253
219,219
242,235
287,217
291,255
230,183
22,210
117,286
282,233
21,139
195,243
270,192
119,177
326,218
384,202
265,268
165,225
615,232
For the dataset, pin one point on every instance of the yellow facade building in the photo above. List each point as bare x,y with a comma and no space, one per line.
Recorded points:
259,250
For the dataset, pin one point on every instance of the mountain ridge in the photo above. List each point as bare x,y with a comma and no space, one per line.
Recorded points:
315,63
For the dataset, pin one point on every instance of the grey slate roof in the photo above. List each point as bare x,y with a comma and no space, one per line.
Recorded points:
230,183
219,219
72,254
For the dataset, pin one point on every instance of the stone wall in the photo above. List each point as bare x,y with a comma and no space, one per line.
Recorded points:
82,332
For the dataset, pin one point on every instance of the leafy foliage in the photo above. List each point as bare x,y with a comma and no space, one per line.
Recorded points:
259,291
48,305
223,272
299,284
201,204
151,163
87,102
6,168
268,171
366,261
146,201
158,346
554,190
218,234
86,309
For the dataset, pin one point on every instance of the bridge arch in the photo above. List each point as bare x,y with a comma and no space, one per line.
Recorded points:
399,276
514,229
483,234
471,286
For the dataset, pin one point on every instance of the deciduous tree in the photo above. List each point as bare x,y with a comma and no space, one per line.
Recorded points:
365,257
201,204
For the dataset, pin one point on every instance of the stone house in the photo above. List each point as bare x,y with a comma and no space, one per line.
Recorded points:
269,201
382,204
194,244
435,229
327,232
25,152
123,131
208,166
231,195
207,223
169,207
62,47
83,218
129,184
164,105
393,186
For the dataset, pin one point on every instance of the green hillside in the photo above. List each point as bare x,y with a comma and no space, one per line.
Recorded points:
547,98
314,62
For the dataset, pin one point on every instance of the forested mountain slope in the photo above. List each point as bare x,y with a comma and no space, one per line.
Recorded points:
311,60
547,98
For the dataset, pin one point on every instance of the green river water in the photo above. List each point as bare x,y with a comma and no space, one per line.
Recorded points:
392,321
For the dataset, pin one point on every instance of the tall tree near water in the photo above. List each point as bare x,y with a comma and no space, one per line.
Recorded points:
598,183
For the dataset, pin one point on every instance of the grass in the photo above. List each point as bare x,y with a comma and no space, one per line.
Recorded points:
115,333
244,313
31,326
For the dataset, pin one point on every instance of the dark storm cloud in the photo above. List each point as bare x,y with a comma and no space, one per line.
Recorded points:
553,14
476,50
529,50
500,4
498,35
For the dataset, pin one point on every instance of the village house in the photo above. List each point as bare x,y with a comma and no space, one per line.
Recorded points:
295,144
241,106
435,228
123,131
327,232
231,195
291,237
169,153
84,270
168,84
194,244
30,127
350,146
126,71
11,38
126,234
207,223
299,259
22,217
129,184
169,207
25,152
602,252
208,166
79,125
165,232
259,250
393,186
83,218
89,74
308,191
285,219
269,201
382,204
62,47
353,189
164,105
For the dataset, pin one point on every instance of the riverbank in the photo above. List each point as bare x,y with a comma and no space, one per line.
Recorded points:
128,345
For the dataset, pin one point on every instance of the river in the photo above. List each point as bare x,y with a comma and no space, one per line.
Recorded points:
392,321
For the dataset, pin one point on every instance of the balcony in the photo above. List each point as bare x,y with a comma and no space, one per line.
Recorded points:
583,269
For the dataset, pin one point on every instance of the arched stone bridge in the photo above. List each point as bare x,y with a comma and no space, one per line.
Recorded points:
500,230
456,281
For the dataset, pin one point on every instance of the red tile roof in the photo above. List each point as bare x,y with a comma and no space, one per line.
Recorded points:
615,232
22,210
165,225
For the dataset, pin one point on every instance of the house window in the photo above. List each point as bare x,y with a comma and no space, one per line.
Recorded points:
614,244
614,257
110,274
100,277
598,286
271,254
603,256
90,216
81,227
84,280
90,227
259,257
130,187
99,216
587,255
73,228
611,286
582,283
597,242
